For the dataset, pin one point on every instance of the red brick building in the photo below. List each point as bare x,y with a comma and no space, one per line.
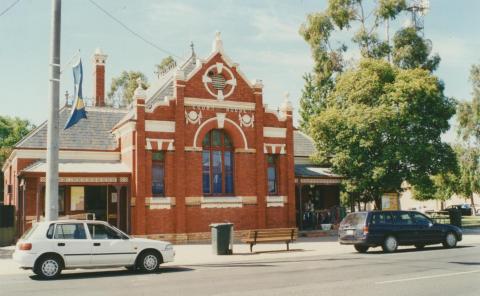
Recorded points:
197,147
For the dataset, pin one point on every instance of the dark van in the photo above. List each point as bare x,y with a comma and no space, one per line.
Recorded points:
390,229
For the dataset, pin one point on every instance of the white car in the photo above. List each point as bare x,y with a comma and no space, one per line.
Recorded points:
49,247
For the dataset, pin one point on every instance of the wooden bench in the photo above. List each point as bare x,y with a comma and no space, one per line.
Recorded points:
255,236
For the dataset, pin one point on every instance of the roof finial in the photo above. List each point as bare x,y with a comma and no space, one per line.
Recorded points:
286,106
139,92
217,43
193,48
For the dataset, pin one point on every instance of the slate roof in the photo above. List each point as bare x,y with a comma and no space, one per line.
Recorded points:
92,133
303,145
80,166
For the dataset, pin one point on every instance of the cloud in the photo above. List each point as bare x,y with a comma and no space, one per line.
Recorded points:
271,27
454,50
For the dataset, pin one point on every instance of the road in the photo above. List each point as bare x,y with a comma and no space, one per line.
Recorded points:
433,271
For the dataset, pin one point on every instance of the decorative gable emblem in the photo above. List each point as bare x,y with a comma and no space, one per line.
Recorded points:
219,81
193,117
246,120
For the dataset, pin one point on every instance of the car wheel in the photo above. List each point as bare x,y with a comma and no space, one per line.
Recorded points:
420,246
390,244
149,261
361,249
450,240
48,267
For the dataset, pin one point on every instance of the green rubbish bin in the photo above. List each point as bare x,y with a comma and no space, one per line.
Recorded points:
455,216
222,238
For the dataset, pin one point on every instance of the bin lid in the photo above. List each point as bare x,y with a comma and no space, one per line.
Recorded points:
220,224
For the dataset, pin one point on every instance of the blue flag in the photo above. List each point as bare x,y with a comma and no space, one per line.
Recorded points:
78,107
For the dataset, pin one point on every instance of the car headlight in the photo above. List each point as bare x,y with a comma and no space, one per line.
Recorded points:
169,247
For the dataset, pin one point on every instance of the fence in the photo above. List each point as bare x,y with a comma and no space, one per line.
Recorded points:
7,225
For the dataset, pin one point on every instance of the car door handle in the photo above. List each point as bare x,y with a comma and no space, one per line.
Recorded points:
96,244
61,244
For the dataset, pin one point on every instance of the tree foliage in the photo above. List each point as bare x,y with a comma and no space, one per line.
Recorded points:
468,117
12,130
164,64
123,86
468,112
409,49
381,126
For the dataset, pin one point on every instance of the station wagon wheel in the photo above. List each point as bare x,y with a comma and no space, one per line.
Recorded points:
48,267
450,240
390,244
149,261
360,248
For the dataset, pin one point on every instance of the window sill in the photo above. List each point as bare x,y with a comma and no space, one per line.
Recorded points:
159,202
221,202
276,201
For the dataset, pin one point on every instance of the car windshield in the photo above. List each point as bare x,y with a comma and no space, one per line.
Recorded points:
355,219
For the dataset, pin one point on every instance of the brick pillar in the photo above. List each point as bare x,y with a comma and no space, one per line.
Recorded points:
290,172
260,157
179,158
287,110
139,226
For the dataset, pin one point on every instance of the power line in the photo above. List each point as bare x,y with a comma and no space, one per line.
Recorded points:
10,7
132,31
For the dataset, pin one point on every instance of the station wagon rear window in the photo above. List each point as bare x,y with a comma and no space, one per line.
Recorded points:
355,219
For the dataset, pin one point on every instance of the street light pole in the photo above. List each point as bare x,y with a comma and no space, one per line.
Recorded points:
51,190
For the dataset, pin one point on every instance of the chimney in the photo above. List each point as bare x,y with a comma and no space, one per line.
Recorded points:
99,59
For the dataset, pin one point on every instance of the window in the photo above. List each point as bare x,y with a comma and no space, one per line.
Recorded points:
382,218
403,219
217,163
50,231
272,174
100,231
158,174
61,199
421,219
70,231
77,198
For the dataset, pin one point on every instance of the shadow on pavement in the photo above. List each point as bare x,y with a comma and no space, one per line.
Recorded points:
270,252
111,273
413,249
271,262
466,263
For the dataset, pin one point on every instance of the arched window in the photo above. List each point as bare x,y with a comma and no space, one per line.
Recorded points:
217,163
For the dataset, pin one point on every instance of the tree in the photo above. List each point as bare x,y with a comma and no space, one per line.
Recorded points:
165,64
312,101
381,126
12,130
409,50
123,86
468,117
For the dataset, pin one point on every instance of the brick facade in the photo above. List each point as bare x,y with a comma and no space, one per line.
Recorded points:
177,124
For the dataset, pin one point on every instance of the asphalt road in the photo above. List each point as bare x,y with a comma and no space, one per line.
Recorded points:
433,271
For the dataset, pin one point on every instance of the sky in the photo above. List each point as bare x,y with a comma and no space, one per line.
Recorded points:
262,36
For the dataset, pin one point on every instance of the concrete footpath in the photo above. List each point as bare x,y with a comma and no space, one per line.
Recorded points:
201,254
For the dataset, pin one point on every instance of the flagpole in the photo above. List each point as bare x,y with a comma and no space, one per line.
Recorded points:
51,190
